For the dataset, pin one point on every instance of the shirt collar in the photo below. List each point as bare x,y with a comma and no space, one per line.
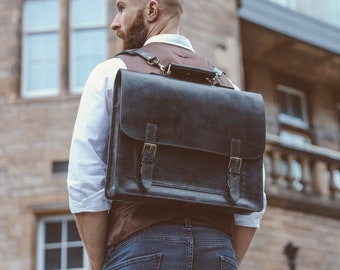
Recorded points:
172,39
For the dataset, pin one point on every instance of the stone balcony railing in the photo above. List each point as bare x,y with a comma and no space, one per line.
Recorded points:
305,178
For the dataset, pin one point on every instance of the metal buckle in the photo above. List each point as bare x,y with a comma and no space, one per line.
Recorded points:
150,147
167,70
155,62
236,162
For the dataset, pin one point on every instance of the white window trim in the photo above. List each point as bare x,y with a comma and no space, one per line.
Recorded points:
41,241
290,120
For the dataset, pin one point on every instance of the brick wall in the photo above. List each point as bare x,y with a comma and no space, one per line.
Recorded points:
317,239
33,134
214,31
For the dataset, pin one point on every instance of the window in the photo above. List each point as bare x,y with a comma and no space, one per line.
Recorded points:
44,32
88,37
293,110
59,245
40,73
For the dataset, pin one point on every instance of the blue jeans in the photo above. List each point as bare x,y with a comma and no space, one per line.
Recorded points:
176,245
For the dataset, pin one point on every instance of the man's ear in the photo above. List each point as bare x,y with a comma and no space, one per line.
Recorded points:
153,10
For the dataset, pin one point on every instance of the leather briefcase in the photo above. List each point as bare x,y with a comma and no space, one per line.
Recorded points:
180,143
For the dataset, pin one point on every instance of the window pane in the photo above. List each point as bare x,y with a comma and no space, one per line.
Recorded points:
59,246
88,23
42,61
88,49
53,232
292,103
283,102
72,232
40,14
52,259
88,12
74,257
296,106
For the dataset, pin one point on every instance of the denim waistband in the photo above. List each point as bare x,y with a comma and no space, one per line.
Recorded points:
189,222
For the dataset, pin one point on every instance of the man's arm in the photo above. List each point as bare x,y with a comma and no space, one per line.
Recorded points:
92,228
242,237
245,227
87,162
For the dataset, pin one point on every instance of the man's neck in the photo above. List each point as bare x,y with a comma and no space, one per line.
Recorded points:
164,28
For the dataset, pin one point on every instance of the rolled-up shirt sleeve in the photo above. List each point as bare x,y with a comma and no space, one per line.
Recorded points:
88,153
254,219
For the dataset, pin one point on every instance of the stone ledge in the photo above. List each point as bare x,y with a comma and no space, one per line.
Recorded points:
49,208
307,203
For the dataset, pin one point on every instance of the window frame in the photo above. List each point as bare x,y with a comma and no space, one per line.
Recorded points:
64,244
25,32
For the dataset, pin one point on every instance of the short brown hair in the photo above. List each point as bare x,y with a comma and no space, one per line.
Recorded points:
173,6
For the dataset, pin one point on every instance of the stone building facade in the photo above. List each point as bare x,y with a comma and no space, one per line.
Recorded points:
290,56
36,228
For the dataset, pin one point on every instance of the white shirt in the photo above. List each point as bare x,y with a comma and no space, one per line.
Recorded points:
87,163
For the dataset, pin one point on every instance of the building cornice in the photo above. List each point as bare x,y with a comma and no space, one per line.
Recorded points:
290,23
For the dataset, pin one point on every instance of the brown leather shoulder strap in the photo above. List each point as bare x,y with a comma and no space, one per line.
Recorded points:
166,53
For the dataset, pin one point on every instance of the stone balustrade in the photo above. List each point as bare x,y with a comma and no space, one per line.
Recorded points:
304,169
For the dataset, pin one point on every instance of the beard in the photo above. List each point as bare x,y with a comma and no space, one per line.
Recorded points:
135,36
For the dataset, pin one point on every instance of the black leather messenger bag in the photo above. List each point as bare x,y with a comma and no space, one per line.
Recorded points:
180,143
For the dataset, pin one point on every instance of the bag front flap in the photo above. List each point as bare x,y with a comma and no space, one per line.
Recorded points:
190,115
